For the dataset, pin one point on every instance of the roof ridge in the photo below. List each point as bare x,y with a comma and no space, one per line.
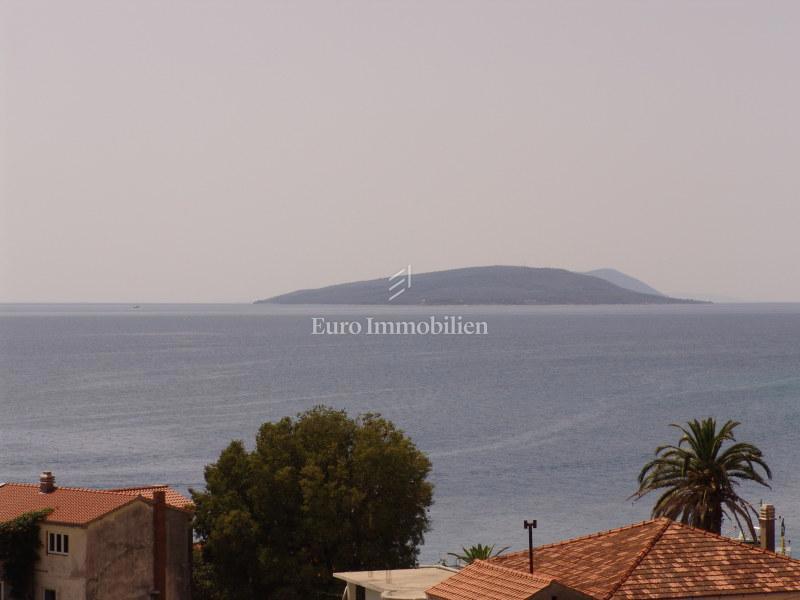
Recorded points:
641,556
70,488
514,572
112,491
591,535
139,487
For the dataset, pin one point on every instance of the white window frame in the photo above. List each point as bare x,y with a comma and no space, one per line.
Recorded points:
51,548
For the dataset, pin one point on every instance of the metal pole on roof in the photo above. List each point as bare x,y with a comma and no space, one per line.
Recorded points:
783,537
530,526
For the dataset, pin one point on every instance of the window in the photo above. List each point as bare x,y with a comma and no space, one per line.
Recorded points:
50,594
57,543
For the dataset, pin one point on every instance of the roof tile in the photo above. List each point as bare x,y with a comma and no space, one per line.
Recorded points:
75,506
483,580
659,559
173,497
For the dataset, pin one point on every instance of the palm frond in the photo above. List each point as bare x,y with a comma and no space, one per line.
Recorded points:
698,477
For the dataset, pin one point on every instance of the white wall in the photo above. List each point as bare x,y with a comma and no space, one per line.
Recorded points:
371,594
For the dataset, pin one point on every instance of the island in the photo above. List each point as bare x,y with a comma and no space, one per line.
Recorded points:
624,281
494,285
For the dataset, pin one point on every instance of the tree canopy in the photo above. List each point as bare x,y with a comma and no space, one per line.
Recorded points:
319,493
19,551
698,477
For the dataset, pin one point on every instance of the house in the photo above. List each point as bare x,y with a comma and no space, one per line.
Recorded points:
399,584
126,544
657,559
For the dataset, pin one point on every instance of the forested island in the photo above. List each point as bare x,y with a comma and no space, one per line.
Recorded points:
495,285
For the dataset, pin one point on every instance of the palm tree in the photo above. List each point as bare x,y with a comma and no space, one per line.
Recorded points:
699,477
477,552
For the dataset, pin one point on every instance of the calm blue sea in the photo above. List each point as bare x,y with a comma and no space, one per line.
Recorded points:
549,416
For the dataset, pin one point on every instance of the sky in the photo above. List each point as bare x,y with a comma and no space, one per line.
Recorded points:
227,151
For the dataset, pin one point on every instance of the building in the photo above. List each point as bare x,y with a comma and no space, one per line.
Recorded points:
655,560
126,544
399,584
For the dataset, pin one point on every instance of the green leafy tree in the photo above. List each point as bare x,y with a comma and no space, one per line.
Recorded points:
698,478
318,494
477,552
19,551
204,585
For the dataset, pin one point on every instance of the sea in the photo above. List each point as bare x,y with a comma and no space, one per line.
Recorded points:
549,416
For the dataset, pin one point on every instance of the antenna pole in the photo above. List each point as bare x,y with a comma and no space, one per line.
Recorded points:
530,526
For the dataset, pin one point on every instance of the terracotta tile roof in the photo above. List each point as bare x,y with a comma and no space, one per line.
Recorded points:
483,580
76,506
688,561
659,559
173,497
593,564
71,506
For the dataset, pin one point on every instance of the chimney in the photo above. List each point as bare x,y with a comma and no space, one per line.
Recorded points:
766,521
47,482
159,545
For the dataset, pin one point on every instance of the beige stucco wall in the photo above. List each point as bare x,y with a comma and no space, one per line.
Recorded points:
119,558
179,555
112,559
64,574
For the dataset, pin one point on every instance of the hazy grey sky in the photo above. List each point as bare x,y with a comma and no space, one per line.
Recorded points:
226,151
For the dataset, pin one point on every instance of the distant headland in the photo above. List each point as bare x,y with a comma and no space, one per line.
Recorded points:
496,285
